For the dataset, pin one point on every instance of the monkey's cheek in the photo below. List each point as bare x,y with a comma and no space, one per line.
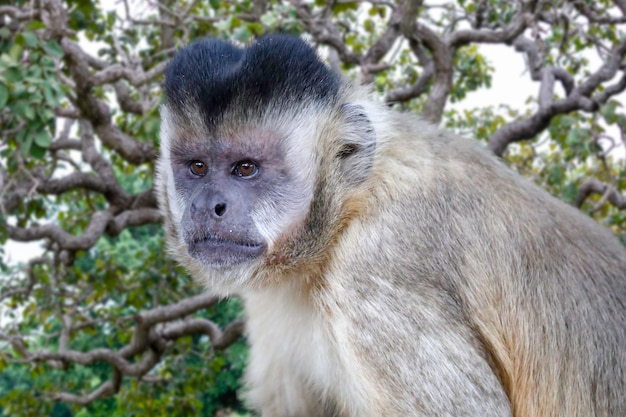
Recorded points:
220,254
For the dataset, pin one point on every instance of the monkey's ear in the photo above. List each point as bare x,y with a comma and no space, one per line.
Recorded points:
356,154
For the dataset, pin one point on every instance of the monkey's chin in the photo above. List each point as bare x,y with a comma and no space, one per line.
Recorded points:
222,253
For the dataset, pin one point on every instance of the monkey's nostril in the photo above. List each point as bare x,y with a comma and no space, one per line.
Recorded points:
220,209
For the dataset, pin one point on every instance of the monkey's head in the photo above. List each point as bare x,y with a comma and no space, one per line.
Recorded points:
264,153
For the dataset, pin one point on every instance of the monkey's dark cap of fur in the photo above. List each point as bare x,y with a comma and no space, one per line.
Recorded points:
212,73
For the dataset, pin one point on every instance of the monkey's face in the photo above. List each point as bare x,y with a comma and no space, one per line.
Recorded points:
221,189
236,191
259,154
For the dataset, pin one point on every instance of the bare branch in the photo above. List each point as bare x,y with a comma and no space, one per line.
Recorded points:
579,98
593,16
421,85
131,150
325,33
370,64
116,72
24,288
112,190
73,181
146,341
441,54
98,113
178,310
136,217
219,339
66,240
105,390
18,13
593,186
511,31
139,368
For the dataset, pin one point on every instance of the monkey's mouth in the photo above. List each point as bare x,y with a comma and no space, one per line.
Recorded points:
218,251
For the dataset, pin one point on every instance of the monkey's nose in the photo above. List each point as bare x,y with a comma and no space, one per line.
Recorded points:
220,209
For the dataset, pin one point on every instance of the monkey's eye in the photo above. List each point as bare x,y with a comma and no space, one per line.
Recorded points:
198,168
245,169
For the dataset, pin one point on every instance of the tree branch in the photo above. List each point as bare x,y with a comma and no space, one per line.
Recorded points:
147,342
579,98
593,186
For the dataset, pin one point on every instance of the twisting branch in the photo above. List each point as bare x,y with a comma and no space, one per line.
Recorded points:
105,390
96,110
578,98
147,347
441,54
325,32
608,192
423,81
371,61
23,288
219,339
443,48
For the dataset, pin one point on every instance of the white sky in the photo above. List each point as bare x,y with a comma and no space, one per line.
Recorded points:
510,83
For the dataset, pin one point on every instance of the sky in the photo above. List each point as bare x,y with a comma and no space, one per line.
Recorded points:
511,83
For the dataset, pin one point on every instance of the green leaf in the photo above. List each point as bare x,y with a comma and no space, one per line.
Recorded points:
53,48
343,7
574,137
30,39
269,20
43,138
49,94
16,51
37,151
20,108
567,121
256,28
4,96
369,25
608,112
594,147
242,34
13,74
29,112
26,144
556,175
35,25
569,192
110,19
45,114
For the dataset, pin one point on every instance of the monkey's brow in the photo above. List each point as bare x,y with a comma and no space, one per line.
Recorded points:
184,149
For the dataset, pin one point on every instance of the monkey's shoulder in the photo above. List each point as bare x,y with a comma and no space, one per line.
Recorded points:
434,180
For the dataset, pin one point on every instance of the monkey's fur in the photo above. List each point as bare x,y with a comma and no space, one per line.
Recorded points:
388,268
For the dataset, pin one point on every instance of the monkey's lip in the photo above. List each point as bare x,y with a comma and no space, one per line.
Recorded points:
219,251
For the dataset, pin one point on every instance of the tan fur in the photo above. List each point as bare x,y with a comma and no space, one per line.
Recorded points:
442,285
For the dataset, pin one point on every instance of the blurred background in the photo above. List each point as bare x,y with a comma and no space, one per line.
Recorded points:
95,320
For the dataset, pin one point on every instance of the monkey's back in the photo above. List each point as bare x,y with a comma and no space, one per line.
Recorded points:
537,286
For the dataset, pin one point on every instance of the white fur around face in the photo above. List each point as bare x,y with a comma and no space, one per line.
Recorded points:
164,168
278,216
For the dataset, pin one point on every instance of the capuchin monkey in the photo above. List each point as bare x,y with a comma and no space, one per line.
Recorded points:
388,268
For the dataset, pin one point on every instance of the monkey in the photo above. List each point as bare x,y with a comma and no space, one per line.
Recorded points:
387,267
